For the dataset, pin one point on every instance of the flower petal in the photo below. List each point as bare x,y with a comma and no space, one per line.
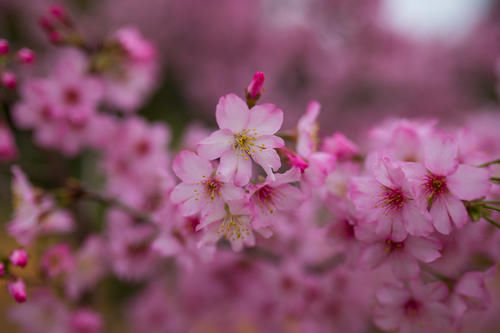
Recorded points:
191,168
266,119
441,156
232,113
440,217
468,182
457,211
269,160
216,144
424,249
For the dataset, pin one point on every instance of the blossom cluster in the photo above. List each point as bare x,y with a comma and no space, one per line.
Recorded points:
249,227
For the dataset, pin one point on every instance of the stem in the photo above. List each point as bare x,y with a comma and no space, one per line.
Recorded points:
492,202
492,208
496,224
440,276
484,165
79,191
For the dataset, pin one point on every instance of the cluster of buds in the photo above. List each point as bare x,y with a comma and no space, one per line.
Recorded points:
58,26
16,286
23,56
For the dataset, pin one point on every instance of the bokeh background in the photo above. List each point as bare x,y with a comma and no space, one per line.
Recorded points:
363,60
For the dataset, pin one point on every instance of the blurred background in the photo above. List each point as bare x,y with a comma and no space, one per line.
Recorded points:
363,60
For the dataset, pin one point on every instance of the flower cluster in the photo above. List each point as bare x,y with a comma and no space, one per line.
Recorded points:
249,227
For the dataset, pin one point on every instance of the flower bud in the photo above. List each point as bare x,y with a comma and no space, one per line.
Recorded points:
8,149
58,11
19,258
254,89
4,47
55,37
26,56
9,80
18,290
2,269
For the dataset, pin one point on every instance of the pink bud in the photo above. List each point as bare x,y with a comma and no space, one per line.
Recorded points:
18,290
26,56
2,269
255,87
4,47
8,149
45,24
58,11
9,80
55,37
19,258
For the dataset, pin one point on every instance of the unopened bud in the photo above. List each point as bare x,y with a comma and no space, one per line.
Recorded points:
254,89
19,258
4,47
9,80
18,290
58,11
2,269
26,56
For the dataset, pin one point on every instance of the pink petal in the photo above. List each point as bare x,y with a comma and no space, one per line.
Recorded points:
440,217
183,192
231,192
424,249
232,113
417,222
441,156
191,168
216,144
468,182
290,176
269,160
457,211
191,206
237,166
373,255
269,141
266,119
288,198
392,294
403,266
388,318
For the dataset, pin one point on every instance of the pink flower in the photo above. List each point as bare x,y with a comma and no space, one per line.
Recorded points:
244,134
416,306
403,255
276,195
34,213
17,289
387,199
235,226
90,265
85,321
130,247
470,292
202,189
19,258
442,183
340,146
43,313
2,269
57,260
8,149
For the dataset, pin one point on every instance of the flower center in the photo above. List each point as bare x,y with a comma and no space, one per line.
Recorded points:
244,141
392,200
393,246
412,308
435,185
233,228
71,96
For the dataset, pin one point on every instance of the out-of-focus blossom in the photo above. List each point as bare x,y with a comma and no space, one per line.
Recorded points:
85,321
8,149
57,260
17,290
34,212
19,258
